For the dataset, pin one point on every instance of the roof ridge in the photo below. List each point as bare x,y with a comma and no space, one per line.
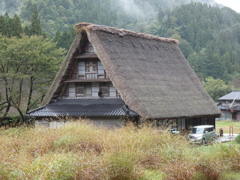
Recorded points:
121,32
39,108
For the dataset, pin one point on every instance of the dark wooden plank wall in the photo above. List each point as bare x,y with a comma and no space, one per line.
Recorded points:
199,121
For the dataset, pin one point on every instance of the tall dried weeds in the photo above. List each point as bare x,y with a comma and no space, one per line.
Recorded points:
81,151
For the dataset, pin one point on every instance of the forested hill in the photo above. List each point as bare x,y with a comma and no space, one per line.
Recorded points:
59,14
210,40
209,36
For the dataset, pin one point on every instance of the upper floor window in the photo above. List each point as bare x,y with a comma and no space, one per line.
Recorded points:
91,66
91,89
91,69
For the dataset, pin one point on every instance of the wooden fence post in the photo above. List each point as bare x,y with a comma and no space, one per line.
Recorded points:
230,130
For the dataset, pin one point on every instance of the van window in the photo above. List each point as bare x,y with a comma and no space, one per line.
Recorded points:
197,130
209,129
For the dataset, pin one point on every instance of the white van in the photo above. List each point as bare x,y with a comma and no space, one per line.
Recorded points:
202,134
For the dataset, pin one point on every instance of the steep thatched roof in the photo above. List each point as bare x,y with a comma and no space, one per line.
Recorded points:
151,74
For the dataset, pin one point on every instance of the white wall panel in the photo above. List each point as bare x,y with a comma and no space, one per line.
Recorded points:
71,90
95,89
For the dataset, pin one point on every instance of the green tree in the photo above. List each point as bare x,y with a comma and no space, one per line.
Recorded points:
26,30
16,26
57,36
7,29
2,25
185,46
28,65
65,39
195,62
216,87
35,27
234,83
214,66
10,26
27,10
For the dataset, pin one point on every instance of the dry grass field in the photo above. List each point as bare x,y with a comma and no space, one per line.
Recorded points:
81,151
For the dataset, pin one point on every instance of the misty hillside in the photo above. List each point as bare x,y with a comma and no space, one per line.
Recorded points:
208,35
60,14
209,38
13,6
10,6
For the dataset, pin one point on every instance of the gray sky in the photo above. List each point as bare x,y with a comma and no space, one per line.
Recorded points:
234,4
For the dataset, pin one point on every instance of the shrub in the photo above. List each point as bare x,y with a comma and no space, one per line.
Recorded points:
153,175
211,170
120,166
180,170
237,139
5,171
151,160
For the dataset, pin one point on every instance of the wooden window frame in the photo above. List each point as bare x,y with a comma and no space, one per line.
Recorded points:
91,66
80,86
104,87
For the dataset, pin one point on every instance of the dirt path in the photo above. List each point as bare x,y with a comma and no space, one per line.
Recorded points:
225,138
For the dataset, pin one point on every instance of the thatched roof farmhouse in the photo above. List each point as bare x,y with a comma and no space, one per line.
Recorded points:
112,73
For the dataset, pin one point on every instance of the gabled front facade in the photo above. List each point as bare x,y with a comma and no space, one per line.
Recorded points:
229,105
87,92
88,78
112,74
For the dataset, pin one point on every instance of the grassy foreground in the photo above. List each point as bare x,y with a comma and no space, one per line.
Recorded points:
81,151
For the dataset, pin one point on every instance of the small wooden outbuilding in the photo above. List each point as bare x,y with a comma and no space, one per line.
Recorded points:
229,105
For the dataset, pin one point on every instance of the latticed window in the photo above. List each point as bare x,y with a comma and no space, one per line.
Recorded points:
91,69
83,89
79,89
91,66
104,88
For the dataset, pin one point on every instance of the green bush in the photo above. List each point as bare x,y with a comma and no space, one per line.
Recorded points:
121,166
237,139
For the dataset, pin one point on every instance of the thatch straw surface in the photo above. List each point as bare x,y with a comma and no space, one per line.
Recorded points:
59,80
151,74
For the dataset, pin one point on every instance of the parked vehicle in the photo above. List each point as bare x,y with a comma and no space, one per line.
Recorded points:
202,134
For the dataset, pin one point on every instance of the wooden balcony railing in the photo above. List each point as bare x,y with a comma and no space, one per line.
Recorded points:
91,76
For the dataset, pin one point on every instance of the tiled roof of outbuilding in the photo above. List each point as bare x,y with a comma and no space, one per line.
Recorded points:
83,107
235,95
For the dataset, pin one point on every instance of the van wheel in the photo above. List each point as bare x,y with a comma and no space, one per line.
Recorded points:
203,142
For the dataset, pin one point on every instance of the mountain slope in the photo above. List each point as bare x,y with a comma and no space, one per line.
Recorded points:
209,36
59,14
